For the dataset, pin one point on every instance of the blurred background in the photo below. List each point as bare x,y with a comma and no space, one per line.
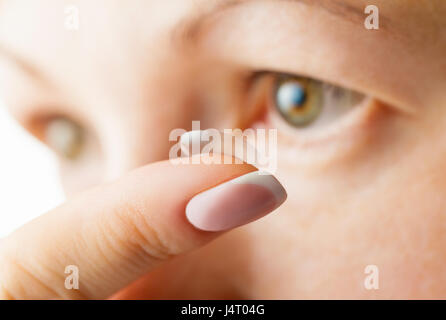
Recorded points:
29,183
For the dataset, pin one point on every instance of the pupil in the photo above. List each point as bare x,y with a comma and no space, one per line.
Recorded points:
299,96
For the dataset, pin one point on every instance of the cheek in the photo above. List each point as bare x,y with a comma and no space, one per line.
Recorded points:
383,205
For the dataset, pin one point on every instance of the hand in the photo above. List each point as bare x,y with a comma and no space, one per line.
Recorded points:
116,233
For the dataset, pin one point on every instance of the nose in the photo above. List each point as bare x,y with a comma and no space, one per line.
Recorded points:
134,127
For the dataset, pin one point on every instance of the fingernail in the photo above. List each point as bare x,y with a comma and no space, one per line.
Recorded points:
236,202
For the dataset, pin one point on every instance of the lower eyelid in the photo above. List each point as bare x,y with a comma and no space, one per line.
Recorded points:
339,144
351,126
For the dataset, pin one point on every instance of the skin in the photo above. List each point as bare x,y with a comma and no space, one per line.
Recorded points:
366,189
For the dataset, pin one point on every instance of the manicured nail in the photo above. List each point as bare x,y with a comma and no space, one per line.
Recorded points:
236,202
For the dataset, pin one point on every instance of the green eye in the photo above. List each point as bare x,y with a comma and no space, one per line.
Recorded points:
304,101
65,137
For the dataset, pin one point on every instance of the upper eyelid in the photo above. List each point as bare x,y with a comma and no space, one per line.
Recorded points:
260,73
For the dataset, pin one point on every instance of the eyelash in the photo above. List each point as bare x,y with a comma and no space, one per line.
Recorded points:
263,81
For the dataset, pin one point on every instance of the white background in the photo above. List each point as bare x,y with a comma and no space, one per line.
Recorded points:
29,183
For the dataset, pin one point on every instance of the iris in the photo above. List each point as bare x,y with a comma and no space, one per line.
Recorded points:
299,100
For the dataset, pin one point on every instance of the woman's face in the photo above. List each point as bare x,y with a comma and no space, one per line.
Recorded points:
366,178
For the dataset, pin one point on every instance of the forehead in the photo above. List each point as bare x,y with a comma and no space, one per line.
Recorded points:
113,28
156,12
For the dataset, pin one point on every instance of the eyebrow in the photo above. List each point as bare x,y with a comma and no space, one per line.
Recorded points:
191,29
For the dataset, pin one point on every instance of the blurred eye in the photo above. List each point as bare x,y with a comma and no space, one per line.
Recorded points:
65,137
305,102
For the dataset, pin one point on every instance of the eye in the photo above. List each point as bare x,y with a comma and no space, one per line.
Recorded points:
305,102
299,101
65,137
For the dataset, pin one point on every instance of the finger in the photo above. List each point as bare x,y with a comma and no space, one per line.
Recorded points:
116,233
